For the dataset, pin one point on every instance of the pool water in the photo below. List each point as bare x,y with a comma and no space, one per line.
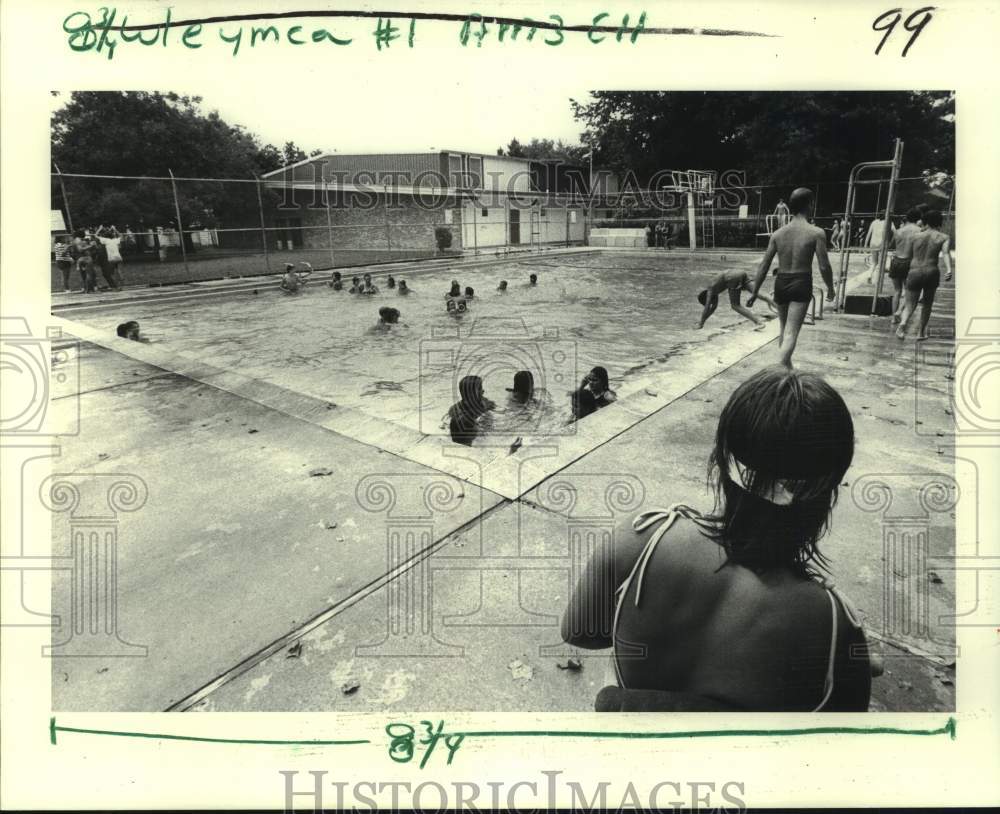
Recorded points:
634,314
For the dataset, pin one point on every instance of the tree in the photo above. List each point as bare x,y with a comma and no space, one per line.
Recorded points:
547,148
150,134
782,139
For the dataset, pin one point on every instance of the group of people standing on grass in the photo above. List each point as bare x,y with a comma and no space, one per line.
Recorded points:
87,251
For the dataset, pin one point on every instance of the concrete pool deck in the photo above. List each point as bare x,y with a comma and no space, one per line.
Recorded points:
437,587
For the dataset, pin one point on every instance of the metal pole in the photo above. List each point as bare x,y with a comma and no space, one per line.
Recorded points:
69,217
329,222
897,161
263,229
506,223
845,253
180,226
567,224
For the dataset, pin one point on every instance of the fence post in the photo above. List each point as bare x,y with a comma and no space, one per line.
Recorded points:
180,225
263,229
329,222
388,229
475,228
62,187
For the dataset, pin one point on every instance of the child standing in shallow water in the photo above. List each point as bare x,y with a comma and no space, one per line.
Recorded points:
731,610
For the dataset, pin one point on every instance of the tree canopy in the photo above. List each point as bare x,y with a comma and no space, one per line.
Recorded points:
149,134
777,138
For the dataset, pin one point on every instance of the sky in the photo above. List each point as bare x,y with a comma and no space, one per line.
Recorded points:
367,118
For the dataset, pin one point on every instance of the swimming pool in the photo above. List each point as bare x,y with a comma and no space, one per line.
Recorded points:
634,313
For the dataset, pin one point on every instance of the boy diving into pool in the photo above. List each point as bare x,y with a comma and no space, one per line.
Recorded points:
734,281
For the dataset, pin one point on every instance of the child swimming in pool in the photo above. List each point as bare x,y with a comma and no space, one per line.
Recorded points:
369,287
336,283
403,289
355,286
469,292
130,330
532,280
731,610
597,383
735,282
290,282
464,418
387,319
390,282
502,288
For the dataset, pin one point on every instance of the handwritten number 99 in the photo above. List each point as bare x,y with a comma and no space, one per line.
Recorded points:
916,22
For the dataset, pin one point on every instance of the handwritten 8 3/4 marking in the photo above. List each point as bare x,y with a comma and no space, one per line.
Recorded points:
402,746
915,22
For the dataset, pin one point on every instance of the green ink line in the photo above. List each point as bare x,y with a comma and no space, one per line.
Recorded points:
947,729
53,728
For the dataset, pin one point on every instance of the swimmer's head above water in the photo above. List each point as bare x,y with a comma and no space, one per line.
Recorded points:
456,289
469,292
388,316
403,287
598,380
129,330
532,279
390,282
524,386
502,286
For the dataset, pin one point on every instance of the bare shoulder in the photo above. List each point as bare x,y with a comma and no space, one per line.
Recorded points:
818,231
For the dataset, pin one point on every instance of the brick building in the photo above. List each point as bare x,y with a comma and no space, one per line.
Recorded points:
398,202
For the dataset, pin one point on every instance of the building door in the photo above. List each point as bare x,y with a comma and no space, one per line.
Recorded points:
515,227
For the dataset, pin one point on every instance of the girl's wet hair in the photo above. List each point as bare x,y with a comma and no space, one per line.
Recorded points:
524,384
387,314
601,374
790,431
126,328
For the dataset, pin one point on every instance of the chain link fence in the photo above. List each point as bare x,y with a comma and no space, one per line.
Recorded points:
176,230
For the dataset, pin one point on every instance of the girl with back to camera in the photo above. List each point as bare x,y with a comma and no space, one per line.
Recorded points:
728,611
